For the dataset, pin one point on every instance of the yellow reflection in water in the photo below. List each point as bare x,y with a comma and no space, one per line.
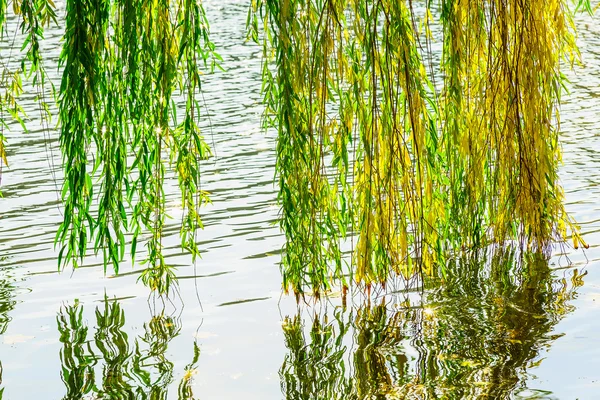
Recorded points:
472,336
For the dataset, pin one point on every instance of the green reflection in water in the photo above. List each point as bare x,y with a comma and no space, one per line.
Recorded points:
472,336
1,388
106,364
7,303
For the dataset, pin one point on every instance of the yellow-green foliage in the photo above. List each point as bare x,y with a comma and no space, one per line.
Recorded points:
414,159
406,145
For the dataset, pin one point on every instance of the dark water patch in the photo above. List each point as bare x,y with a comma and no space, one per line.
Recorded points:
231,303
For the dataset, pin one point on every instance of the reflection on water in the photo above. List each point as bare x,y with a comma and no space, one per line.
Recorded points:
106,364
6,305
473,336
6,301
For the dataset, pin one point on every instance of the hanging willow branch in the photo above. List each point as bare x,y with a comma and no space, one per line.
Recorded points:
7,100
370,149
33,16
124,64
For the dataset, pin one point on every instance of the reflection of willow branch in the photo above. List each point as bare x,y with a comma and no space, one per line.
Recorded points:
378,338
158,333
113,343
315,370
475,336
76,356
486,330
7,302
184,391
1,388
129,371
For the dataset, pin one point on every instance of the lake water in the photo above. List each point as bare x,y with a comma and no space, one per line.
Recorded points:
489,333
